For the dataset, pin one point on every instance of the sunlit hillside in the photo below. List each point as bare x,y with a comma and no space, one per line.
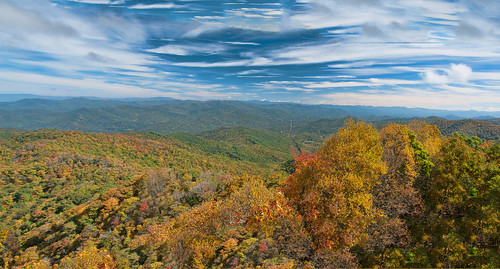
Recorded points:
403,196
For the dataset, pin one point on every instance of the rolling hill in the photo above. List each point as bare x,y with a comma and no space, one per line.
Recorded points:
483,129
223,197
168,115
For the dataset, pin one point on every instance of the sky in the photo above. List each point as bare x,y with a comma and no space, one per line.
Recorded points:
413,53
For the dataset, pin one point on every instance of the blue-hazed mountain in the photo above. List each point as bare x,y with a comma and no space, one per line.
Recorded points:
484,129
164,115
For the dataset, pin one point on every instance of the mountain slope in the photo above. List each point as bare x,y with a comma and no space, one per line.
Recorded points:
187,116
482,129
167,116
219,199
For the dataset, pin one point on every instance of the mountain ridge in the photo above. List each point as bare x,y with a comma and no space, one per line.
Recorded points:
375,110
165,116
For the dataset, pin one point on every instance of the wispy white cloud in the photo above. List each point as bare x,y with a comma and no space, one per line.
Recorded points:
292,86
102,87
154,6
264,13
102,2
339,13
215,64
372,82
17,22
253,72
241,43
189,49
457,73
375,51
341,84
203,29
70,44
337,52
75,86
486,76
323,85
410,97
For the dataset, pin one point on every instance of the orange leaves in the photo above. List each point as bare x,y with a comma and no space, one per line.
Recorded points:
110,204
304,160
314,213
271,211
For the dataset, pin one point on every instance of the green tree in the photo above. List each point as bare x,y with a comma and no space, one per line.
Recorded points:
456,204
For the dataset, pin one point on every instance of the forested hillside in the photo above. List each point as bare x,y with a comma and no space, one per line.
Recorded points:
484,129
170,116
401,196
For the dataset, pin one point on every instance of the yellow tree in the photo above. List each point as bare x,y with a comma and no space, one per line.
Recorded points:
89,258
428,135
331,189
397,198
204,236
396,194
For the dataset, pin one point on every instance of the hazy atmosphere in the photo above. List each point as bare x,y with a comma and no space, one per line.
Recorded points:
431,54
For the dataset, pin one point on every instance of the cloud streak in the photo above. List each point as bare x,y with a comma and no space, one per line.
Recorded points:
367,52
154,6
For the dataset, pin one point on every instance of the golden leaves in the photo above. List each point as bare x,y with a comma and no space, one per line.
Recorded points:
331,189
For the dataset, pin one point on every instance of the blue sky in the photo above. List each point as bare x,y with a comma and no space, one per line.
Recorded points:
414,53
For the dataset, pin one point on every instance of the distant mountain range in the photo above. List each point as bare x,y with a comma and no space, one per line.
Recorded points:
164,115
485,129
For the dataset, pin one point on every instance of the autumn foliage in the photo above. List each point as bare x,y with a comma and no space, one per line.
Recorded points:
331,189
402,196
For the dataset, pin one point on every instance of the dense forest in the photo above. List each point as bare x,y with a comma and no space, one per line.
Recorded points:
399,195
169,115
